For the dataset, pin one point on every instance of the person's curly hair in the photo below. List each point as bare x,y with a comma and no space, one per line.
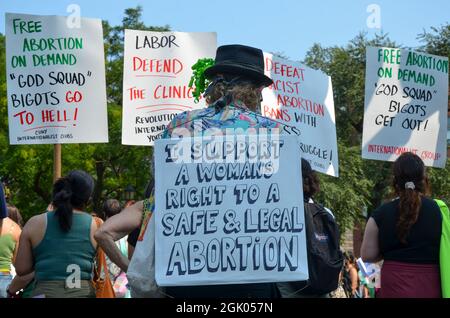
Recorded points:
246,93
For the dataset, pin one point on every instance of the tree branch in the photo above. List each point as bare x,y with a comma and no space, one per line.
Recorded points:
38,189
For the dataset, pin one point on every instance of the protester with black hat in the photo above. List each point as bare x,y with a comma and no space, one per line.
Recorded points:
234,96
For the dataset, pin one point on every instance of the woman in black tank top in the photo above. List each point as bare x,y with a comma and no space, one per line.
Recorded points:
406,234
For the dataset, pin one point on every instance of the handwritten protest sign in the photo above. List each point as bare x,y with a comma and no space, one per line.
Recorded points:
157,70
229,210
56,80
405,105
303,98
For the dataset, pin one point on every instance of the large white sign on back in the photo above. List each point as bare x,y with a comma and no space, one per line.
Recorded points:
406,104
56,80
229,210
156,75
303,98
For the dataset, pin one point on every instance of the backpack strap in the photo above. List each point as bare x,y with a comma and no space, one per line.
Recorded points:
444,249
443,207
317,208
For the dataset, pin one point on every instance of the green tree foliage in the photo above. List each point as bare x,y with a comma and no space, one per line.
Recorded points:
113,41
346,66
27,169
438,42
350,192
362,184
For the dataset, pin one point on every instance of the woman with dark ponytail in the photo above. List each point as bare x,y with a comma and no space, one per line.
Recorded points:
59,245
406,234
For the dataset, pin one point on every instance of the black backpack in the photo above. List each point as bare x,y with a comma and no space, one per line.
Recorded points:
325,259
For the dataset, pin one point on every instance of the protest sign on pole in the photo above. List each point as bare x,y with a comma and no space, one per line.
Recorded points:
406,100
156,75
229,210
303,98
56,80
57,162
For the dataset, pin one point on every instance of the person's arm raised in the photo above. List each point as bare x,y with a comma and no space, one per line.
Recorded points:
117,227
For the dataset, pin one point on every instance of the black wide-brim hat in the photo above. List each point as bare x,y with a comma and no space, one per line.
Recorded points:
240,60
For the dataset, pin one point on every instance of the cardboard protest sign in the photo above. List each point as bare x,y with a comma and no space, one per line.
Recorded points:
303,98
368,269
229,210
157,70
406,104
56,80
371,272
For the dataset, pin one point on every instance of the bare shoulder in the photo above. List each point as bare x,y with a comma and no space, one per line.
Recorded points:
129,218
133,213
371,224
36,221
96,222
16,230
138,205
34,229
8,226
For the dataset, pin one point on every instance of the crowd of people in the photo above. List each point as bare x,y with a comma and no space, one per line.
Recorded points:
40,259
